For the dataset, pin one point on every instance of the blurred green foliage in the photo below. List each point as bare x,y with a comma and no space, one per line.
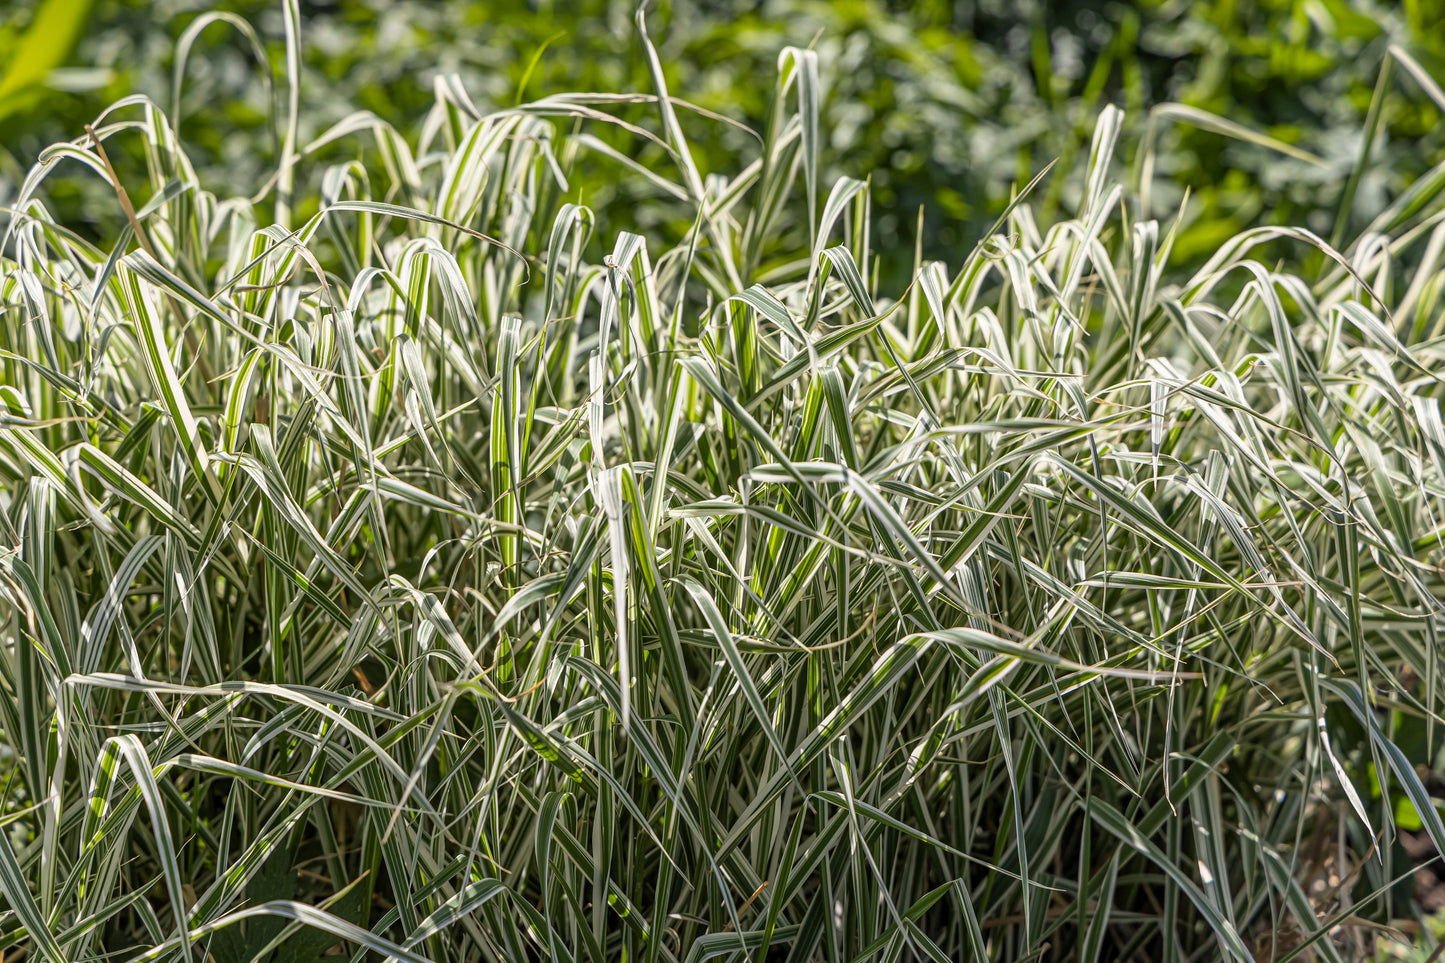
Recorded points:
949,105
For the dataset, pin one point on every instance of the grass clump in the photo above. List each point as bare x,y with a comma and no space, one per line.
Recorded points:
393,567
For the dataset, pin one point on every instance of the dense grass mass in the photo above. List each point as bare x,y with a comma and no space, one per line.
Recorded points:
393,567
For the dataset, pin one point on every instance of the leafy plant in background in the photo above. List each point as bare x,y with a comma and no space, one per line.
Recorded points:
397,561
40,52
946,106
